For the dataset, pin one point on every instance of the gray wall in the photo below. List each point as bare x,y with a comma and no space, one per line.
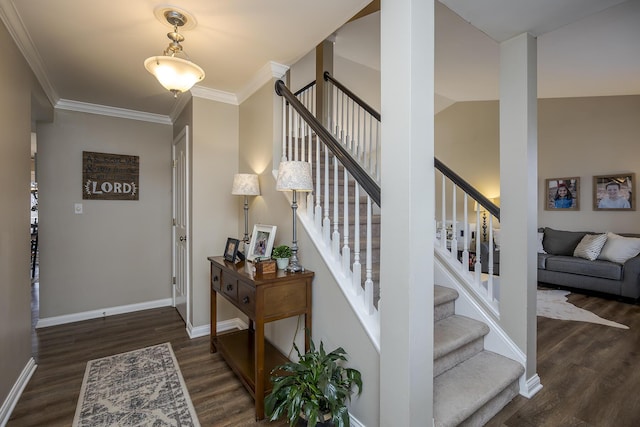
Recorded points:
117,252
19,87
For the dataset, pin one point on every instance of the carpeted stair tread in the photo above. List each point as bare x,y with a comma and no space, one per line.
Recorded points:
466,388
454,332
443,295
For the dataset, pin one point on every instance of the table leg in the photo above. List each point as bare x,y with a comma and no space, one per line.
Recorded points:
213,321
259,368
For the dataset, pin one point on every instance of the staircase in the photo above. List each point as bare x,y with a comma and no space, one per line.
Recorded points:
470,384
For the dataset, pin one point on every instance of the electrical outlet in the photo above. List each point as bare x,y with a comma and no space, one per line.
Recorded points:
77,208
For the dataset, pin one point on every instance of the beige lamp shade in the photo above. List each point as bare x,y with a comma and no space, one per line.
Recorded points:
294,175
245,184
175,74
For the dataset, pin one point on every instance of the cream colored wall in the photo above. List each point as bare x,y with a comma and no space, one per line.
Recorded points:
117,252
579,137
214,215
18,84
333,319
584,137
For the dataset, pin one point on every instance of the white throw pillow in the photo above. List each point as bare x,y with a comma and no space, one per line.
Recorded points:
590,246
540,247
496,239
619,249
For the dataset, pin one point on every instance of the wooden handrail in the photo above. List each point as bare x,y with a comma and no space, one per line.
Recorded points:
305,87
358,173
356,98
467,188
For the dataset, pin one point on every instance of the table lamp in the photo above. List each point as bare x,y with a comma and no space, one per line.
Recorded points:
294,176
246,184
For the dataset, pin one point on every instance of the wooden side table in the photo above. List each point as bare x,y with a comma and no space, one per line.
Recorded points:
262,298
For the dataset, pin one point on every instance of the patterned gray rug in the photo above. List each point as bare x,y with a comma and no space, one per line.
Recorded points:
138,388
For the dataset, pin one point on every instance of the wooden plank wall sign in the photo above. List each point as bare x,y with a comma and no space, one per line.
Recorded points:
110,176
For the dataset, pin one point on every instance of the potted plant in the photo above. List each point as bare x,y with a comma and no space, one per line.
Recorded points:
314,390
281,254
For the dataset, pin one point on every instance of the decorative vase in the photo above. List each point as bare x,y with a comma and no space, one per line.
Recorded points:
282,263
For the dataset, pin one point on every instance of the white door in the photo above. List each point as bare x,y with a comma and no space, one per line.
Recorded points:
181,247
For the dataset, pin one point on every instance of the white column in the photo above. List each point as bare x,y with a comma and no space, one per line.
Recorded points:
518,193
407,232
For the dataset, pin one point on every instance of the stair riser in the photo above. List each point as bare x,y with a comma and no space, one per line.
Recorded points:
492,407
461,354
443,310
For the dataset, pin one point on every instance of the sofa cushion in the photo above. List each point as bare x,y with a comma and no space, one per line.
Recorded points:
590,246
540,247
542,260
619,249
581,266
559,242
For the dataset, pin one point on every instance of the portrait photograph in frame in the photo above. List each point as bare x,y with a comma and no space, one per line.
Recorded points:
261,242
562,194
231,249
614,192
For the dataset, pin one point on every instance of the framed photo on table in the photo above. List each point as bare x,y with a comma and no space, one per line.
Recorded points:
231,249
562,194
614,192
261,242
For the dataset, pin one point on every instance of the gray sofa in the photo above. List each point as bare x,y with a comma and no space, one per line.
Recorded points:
559,267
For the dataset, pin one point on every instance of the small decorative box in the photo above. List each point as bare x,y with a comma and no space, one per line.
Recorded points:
265,266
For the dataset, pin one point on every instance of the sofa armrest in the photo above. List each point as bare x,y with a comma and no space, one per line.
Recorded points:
631,278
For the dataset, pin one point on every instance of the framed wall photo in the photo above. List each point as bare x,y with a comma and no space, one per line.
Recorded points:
562,194
614,192
231,249
261,242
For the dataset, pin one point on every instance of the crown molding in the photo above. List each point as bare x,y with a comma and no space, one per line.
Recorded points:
270,70
85,107
15,26
214,95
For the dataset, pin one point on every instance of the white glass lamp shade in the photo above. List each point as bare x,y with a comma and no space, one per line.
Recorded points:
294,175
245,184
175,74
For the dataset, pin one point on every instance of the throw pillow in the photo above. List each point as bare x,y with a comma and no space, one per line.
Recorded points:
619,249
540,247
558,242
590,246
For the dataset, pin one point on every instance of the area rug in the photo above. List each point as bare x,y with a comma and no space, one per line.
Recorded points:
553,304
138,388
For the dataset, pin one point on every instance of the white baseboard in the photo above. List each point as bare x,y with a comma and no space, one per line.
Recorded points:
225,325
103,312
531,387
354,421
16,391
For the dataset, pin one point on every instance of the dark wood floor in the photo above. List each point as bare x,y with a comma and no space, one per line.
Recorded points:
590,373
51,396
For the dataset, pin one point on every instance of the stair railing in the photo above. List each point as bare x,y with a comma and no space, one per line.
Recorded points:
336,214
356,124
460,245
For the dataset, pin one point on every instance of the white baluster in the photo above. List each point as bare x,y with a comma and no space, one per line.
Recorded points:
356,278
318,211
326,221
346,251
368,284
478,266
283,158
454,236
443,228
465,240
335,238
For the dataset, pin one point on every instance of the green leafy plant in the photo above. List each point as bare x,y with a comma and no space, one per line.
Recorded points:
282,251
315,388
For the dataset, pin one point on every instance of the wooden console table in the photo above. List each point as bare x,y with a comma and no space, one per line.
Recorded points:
263,298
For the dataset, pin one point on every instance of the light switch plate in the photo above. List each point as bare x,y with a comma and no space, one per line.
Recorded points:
77,208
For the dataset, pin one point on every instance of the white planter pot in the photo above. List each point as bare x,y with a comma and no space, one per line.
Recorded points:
282,263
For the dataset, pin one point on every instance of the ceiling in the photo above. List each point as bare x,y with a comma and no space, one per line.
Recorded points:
91,52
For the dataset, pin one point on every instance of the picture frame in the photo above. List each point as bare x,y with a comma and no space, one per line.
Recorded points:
614,192
231,249
562,194
261,242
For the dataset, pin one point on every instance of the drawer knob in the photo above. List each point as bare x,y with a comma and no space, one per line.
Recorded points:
229,287
245,300
215,278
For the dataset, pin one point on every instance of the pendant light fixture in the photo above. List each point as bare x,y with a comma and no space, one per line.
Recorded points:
175,74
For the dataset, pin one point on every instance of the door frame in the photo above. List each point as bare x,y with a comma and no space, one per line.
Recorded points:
183,133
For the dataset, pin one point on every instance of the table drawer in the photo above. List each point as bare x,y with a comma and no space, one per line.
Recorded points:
247,299
216,277
229,286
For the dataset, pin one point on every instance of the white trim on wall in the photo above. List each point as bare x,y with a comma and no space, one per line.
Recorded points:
103,312
222,326
16,391
85,107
